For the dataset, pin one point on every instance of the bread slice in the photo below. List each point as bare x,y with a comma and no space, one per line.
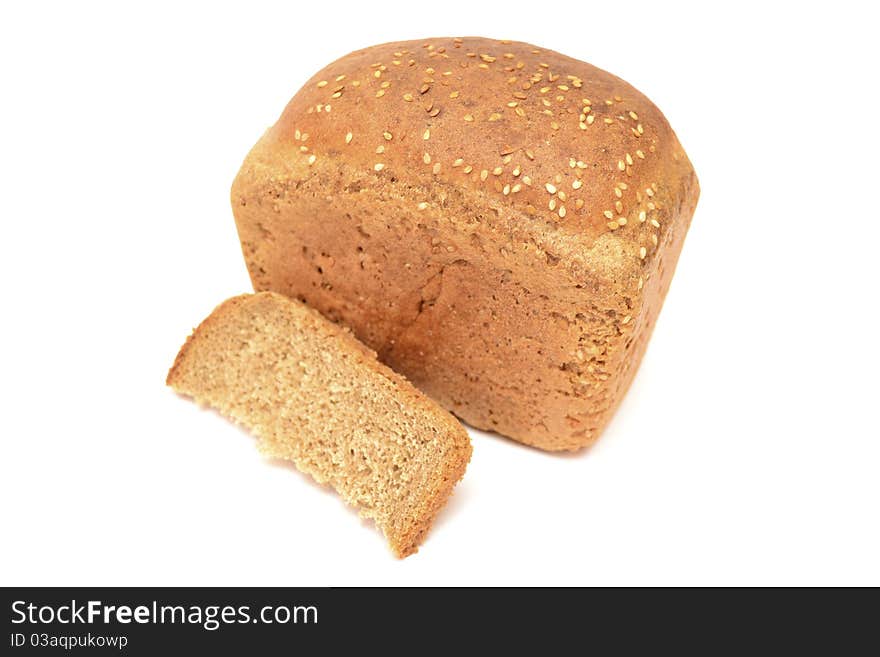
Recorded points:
311,393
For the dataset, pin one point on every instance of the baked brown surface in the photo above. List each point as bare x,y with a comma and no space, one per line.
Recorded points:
499,222
313,394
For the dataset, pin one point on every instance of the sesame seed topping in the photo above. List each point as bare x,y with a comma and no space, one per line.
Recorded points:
527,181
576,184
621,165
640,155
436,168
643,252
626,319
426,158
484,174
312,159
562,212
468,169
552,204
454,94
388,136
378,166
423,205
608,214
612,225
494,116
642,216
529,154
380,93
497,171
322,83
641,283
550,188
655,223
408,97
348,138
629,159
621,221
506,190
426,135
634,116
458,162
617,192
380,150
469,117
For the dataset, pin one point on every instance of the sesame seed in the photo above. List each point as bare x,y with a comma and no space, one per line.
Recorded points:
642,216
497,171
643,252
516,171
608,121
427,135
640,155
516,188
387,135
579,203
654,239
408,97
436,168
336,94
621,221
527,181
454,94
380,93
641,283
468,117
629,159
582,125
562,212
590,119
312,159
612,225
423,205
385,84
561,195
634,116
550,188
618,206
520,111
426,158
468,169
529,154
640,129
621,165
494,116
576,184
322,83
424,88
552,204
608,214
380,150
458,162
506,190
655,223
484,174
649,191
617,192
378,166
348,138
626,319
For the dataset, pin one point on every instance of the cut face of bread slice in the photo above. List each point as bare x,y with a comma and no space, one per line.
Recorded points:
313,394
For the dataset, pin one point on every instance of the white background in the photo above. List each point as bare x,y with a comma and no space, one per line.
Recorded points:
747,451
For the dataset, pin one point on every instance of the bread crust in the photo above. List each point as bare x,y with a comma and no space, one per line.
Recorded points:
454,203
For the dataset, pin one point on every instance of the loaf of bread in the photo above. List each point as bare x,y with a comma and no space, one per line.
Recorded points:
498,221
313,394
